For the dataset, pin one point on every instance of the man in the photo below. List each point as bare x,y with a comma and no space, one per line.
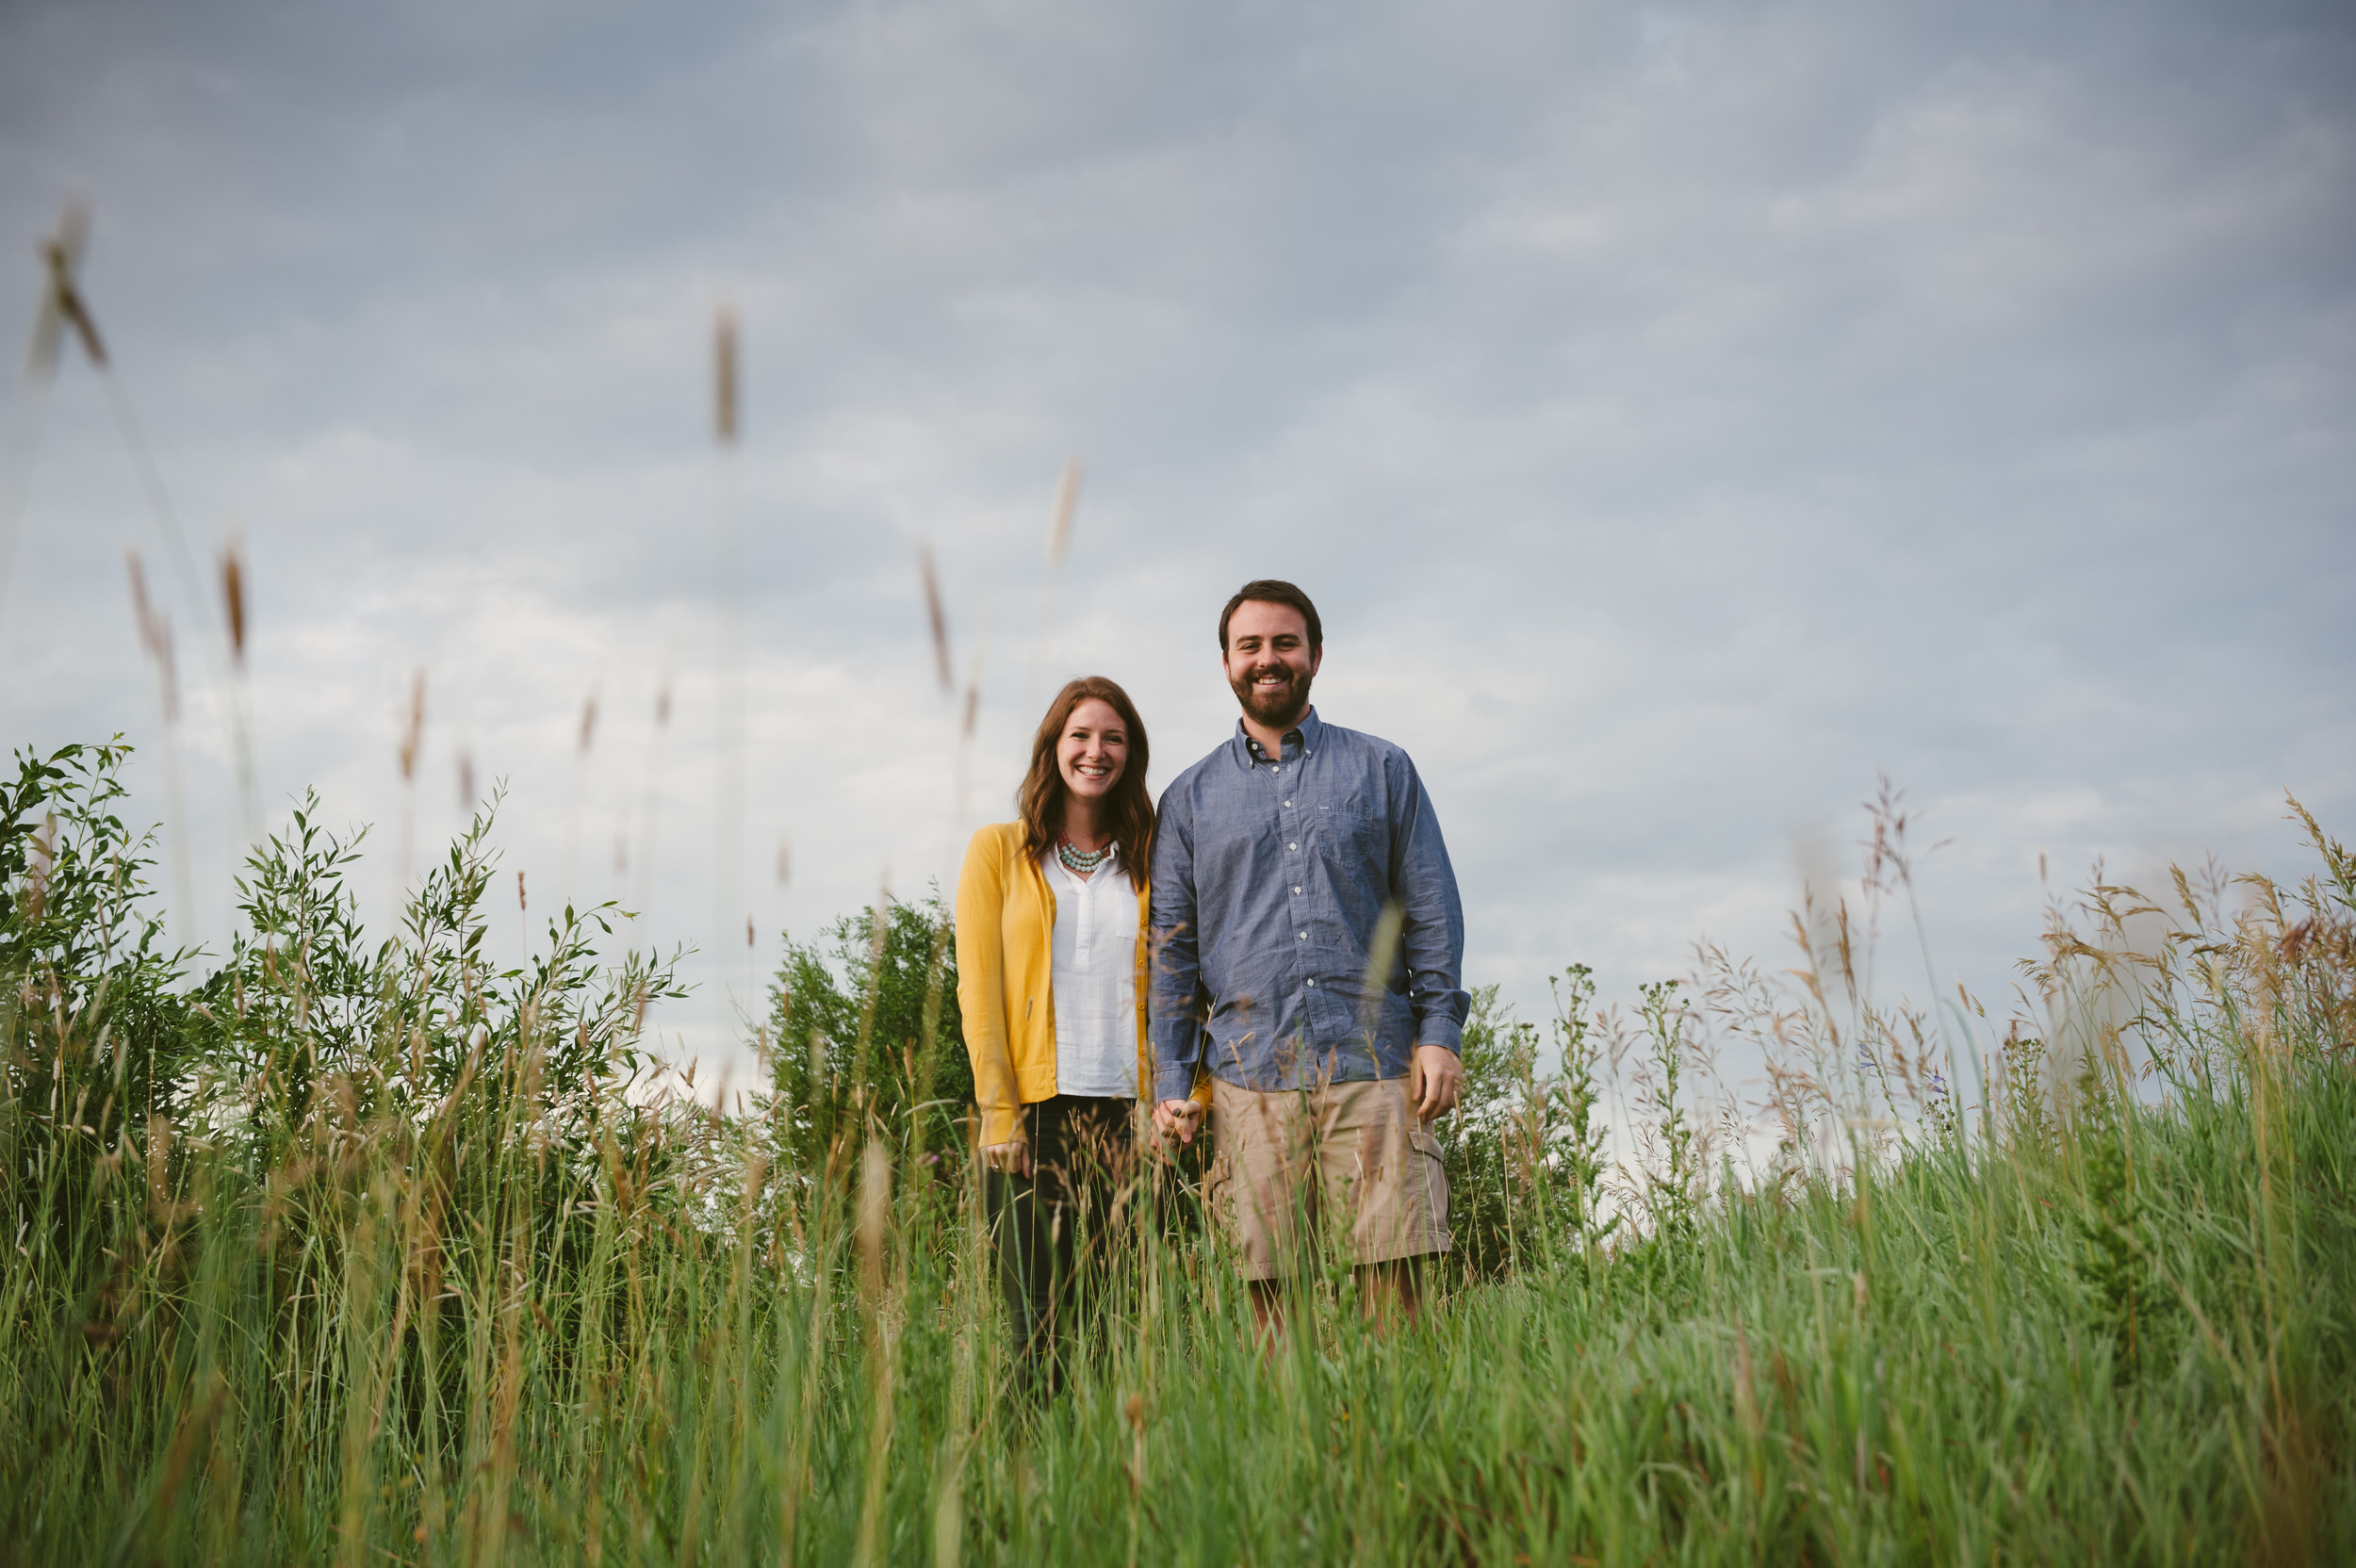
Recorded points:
1311,955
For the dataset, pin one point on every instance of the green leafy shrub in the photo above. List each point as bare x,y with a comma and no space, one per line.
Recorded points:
865,1032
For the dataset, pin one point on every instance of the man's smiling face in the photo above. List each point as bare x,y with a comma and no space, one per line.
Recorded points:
1270,662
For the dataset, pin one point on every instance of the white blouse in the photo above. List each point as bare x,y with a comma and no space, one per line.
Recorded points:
1095,977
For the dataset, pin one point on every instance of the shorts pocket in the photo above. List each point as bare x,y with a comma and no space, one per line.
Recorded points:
1215,1183
1428,1174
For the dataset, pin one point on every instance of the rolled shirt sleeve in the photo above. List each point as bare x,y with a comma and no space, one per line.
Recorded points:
1432,931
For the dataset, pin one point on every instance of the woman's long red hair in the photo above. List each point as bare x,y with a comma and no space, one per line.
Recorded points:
1128,811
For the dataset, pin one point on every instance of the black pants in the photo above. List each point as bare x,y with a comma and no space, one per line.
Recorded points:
1050,1228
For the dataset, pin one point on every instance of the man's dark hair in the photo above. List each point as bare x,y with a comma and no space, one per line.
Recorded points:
1268,591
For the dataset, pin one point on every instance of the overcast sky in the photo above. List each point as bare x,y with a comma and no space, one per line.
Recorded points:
1684,414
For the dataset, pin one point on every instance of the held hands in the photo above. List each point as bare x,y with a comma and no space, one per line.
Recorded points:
1435,1077
1014,1157
1178,1118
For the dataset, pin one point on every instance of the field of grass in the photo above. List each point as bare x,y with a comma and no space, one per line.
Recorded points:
334,1250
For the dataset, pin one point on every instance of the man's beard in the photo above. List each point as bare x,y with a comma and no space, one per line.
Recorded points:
1273,705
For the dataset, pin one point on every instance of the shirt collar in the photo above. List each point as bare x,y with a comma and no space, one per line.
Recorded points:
1311,729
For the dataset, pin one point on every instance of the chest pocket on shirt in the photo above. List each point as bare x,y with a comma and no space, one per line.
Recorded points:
1351,829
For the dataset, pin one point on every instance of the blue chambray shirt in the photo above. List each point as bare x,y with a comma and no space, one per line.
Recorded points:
1271,876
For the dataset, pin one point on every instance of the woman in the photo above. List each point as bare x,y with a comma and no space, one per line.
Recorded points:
1052,986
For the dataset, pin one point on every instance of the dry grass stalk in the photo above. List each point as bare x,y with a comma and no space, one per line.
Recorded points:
61,256
642,886
155,640
875,1210
1067,504
728,873
61,302
576,788
233,596
935,617
411,743
412,731
154,637
1058,541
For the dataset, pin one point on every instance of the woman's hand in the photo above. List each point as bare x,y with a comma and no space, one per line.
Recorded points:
1013,1157
1178,1118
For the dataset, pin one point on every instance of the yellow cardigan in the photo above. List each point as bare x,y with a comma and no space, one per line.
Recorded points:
1006,964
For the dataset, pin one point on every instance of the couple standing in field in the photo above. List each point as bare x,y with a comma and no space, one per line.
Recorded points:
1280,950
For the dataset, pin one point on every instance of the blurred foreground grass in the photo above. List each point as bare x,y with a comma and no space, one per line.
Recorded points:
360,1253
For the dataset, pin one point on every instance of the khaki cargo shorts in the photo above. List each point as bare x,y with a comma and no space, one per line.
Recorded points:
1344,1149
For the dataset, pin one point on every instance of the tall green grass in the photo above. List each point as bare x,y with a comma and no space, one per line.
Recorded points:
364,1254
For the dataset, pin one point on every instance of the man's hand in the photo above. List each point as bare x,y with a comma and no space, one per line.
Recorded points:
1433,1077
1014,1158
1178,1118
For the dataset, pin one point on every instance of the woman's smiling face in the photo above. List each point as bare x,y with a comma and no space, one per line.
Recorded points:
1094,750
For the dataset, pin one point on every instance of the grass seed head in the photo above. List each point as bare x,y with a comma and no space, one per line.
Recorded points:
416,728
1067,502
233,599
724,376
154,637
61,302
935,615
